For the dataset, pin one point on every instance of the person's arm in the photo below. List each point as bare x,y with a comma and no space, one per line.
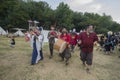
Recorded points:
80,39
48,35
95,39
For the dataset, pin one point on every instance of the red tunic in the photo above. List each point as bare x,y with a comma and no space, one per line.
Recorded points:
73,39
53,33
65,37
87,41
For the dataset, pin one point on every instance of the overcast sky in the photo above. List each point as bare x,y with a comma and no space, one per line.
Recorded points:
110,7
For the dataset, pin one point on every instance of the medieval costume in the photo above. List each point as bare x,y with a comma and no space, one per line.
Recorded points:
51,36
86,41
66,53
37,40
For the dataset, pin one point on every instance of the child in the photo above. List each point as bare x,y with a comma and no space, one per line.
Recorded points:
12,42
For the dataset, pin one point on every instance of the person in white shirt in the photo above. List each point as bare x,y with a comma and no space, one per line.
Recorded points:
37,41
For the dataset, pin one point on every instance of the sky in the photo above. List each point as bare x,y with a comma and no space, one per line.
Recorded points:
109,7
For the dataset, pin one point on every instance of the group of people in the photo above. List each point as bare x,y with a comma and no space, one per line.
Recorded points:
109,42
85,40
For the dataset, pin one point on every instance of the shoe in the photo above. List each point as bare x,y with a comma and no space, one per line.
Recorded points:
88,70
66,63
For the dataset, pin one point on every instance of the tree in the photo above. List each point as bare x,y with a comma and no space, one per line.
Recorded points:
64,16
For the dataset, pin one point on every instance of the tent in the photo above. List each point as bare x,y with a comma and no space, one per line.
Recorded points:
2,31
45,33
19,33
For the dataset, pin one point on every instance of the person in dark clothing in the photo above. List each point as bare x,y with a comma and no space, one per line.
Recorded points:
86,41
12,41
51,36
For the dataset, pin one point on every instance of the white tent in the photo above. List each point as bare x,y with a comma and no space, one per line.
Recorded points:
2,31
19,33
45,33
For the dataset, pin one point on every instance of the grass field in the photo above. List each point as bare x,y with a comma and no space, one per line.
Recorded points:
15,64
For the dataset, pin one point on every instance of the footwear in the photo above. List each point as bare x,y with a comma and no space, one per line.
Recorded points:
88,70
32,64
66,63
83,63
41,59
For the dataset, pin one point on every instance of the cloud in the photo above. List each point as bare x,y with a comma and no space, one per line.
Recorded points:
95,7
84,5
79,2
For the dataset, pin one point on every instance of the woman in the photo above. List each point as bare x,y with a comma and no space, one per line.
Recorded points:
66,53
37,40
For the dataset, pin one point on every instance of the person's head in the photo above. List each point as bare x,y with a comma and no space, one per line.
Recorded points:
38,30
52,28
89,28
64,30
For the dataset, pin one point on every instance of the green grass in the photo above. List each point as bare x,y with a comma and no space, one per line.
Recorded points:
15,64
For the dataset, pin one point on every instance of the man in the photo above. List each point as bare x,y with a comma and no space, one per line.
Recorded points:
51,36
86,42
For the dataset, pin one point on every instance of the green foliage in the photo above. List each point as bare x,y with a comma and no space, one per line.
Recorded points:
16,13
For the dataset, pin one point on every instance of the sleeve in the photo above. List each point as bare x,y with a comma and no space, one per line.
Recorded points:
69,38
80,36
48,35
56,36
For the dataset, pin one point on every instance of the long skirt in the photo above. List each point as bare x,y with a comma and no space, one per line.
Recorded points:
35,54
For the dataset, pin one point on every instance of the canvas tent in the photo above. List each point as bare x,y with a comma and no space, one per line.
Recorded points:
19,33
45,33
2,31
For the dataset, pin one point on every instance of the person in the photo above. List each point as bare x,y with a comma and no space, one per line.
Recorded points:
66,53
41,39
37,40
73,40
12,42
107,46
27,36
86,42
51,36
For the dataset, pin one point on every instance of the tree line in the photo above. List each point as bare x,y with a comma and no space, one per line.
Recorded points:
16,13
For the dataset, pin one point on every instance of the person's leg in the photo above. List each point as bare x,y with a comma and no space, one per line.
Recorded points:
89,61
41,54
67,55
83,57
62,55
51,49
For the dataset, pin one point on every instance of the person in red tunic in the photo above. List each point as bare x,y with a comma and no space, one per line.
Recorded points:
73,40
86,42
51,36
66,53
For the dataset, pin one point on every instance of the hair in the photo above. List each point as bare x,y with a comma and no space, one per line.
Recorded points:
87,26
